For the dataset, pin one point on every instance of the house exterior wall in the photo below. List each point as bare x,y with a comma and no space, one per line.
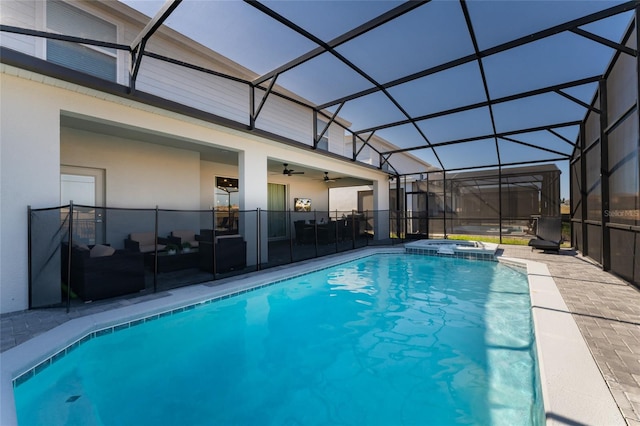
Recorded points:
25,15
138,174
206,92
31,152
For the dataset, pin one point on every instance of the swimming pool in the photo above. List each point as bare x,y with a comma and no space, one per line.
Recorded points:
388,339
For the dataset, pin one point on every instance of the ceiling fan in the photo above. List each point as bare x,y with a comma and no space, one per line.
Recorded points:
327,179
290,172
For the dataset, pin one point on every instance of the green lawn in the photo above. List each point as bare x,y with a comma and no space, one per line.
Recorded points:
491,239
505,240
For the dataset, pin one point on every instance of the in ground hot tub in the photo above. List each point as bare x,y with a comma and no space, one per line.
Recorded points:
454,248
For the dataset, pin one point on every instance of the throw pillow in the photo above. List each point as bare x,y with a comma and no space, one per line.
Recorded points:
99,251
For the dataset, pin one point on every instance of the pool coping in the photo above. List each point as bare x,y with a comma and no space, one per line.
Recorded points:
572,386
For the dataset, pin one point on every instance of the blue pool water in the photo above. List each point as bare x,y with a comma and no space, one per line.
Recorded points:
384,340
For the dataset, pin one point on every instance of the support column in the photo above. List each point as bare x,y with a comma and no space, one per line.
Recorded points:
583,190
252,186
604,177
444,200
500,202
381,208
36,183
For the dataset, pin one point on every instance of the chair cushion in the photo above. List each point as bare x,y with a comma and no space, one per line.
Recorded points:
100,251
184,235
151,247
143,238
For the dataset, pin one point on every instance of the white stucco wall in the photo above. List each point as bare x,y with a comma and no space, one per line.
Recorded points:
138,174
346,199
29,175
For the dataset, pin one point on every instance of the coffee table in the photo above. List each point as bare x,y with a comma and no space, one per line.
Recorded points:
173,262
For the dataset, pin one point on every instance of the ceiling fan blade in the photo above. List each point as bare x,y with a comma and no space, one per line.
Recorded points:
290,172
328,179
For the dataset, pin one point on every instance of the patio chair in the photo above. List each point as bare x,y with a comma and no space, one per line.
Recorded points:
144,242
548,235
305,233
185,236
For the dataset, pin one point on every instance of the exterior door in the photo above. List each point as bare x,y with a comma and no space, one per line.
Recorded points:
85,187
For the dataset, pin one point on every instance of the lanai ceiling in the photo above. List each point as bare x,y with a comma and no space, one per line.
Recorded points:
458,84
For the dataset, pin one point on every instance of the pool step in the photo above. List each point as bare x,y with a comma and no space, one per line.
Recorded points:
447,249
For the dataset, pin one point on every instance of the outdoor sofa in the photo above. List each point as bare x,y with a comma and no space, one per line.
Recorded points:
231,251
184,236
144,242
100,272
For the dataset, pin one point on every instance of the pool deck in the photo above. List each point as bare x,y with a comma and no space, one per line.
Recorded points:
605,308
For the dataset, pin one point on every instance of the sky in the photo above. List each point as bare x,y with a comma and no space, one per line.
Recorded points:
428,36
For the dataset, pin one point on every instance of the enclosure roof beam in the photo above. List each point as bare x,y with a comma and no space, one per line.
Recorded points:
623,7
350,35
255,112
62,37
509,98
562,138
365,143
617,46
138,44
152,26
489,136
476,49
578,101
490,166
552,151
317,136
261,7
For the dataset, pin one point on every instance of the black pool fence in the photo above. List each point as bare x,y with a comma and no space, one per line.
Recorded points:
80,253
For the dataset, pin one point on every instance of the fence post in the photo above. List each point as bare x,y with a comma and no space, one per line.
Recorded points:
353,229
29,260
155,253
335,221
289,224
366,222
315,231
69,255
213,242
258,254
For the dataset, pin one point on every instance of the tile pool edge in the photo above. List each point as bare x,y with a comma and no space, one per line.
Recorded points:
573,389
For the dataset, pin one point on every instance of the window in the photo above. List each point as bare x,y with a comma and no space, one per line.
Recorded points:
68,20
323,143
227,199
